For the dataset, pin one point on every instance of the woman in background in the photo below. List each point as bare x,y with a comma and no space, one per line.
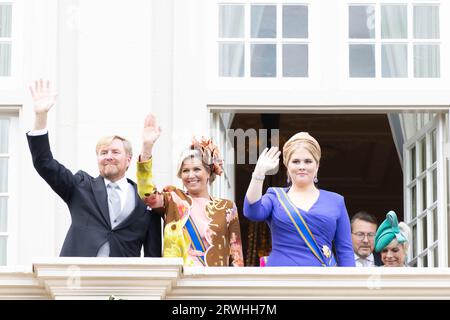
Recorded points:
392,240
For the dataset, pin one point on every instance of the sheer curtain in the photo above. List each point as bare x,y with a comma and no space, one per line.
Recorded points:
231,59
231,54
426,22
5,20
5,45
231,21
394,22
426,61
426,56
5,59
394,25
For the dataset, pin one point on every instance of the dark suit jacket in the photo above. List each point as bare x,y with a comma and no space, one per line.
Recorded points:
377,259
86,198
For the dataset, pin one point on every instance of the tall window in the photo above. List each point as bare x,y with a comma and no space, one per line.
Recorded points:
424,199
5,39
394,40
263,40
4,192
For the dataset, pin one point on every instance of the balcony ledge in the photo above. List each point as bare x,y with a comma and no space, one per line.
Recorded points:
166,278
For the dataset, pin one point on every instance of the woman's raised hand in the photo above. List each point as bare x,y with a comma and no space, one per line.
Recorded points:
268,161
151,131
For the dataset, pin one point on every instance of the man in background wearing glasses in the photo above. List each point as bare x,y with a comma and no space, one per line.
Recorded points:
364,228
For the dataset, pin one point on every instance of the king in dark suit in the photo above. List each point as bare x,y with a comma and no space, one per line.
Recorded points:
98,228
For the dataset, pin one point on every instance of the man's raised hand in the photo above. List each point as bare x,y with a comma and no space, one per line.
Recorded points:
43,96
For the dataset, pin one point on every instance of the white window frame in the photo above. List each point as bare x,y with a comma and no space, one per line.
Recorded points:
424,134
273,83
14,81
224,185
410,83
13,187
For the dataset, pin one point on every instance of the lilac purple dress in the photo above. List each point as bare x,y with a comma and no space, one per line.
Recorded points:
327,219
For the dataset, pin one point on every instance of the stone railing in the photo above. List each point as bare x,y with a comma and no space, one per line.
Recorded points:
165,278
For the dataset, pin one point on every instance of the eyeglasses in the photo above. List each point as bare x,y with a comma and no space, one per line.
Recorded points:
362,235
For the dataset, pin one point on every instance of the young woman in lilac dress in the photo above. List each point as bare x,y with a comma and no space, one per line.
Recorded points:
309,226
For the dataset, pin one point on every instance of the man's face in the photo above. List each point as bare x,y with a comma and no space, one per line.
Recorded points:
113,161
363,237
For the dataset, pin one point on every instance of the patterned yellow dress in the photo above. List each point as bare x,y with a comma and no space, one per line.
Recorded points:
216,219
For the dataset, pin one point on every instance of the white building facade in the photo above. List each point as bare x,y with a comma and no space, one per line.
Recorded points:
197,64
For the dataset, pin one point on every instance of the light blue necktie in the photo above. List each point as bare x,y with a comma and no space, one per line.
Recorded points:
114,204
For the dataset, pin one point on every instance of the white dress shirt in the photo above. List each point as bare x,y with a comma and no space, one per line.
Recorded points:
367,262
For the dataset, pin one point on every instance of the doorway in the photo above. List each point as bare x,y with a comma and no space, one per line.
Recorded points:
359,161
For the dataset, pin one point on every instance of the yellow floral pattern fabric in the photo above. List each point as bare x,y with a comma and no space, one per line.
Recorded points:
225,246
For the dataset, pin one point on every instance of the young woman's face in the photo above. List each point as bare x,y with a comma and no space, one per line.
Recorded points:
194,176
393,255
302,168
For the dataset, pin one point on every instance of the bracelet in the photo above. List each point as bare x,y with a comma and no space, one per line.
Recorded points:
257,177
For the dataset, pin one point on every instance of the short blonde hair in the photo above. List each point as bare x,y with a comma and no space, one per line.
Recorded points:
301,139
106,141
405,230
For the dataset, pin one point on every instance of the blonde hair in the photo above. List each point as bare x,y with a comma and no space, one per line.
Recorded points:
301,139
106,141
197,154
405,230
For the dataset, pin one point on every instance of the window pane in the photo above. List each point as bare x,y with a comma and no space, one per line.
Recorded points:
414,240
231,21
394,22
425,261
434,191
264,21
394,60
362,60
413,163
424,233
4,135
2,251
231,59
361,22
413,202
5,20
424,193
263,60
426,61
426,22
3,214
295,60
3,175
435,225
423,159
295,22
433,146
5,59
436,257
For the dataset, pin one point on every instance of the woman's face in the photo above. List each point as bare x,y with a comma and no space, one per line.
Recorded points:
302,168
194,176
393,255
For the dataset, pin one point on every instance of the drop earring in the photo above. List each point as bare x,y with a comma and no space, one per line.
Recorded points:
315,179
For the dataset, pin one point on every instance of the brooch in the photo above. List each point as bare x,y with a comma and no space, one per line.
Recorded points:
326,251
